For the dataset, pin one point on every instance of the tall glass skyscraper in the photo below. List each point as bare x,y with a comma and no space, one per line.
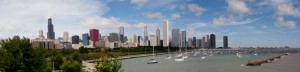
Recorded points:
175,37
213,41
121,34
85,39
194,41
183,39
75,39
50,34
158,36
225,41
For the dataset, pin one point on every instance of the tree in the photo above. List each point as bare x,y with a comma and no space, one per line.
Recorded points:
106,64
18,55
57,61
71,66
72,63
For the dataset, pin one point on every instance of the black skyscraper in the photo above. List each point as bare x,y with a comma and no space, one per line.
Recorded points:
75,39
50,34
212,41
225,41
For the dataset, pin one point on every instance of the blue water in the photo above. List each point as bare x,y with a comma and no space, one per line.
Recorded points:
216,63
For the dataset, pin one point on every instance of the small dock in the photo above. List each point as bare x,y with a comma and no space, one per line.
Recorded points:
267,60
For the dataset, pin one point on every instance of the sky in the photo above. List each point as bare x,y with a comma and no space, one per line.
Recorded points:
247,23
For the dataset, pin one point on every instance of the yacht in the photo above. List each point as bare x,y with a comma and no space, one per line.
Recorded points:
152,61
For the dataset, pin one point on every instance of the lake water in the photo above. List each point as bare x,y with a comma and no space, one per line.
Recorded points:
216,63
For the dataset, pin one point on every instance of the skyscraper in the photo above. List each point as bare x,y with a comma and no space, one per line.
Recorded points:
75,39
94,36
175,37
145,33
153,40
66,37
208,41
158,37
113,37
194,41
165,33
41,36
121,34
225,41
50,34
85,39
183,39
190,42
212,41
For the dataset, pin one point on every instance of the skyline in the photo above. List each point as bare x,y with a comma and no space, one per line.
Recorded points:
252,23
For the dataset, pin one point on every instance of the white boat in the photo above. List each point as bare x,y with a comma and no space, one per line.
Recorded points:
185,55
169,57
238,55
178,59
203,57
152,61
179,55
195,54
255,54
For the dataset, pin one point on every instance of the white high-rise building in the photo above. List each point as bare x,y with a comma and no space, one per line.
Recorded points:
153,40
165,33
41,36
158,36
66,37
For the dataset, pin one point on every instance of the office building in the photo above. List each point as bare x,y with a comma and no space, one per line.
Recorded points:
51,33
208,41
225,41
165,33
75,39
121,33
158,37
85,39
212,41
183,39
153,40
194,41
66,37
190,42
41,36
175,38
94,36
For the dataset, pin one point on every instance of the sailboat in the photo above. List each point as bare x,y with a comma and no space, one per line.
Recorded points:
185,55
169,57
238,55
255,52
152,61
179,56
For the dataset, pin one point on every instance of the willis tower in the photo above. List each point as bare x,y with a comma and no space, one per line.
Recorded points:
50,34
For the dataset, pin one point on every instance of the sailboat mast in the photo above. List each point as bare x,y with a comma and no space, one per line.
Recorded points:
153,53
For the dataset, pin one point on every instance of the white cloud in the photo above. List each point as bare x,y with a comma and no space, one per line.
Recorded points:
104,23
153,15
237,6
280,22
197,25
139,1
288,10
231,21
25,18
175,15
196,9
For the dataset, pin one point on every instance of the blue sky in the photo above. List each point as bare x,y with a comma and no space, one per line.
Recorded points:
245,22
